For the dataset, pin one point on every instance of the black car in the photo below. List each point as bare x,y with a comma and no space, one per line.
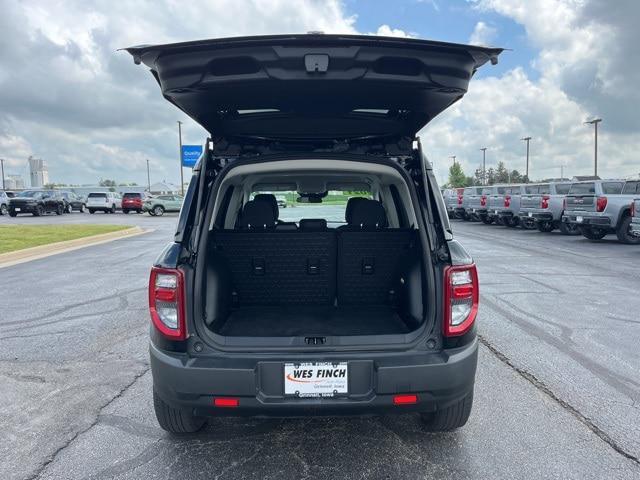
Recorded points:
36,202
4,203
254,315
72,202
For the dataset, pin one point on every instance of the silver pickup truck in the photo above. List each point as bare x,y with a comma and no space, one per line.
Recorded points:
474,203
544,203
601,207
453,201
504,206
635,218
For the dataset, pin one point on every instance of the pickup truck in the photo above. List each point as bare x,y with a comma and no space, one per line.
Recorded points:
504,206
453,201
474,203
544,203
635,218
601,207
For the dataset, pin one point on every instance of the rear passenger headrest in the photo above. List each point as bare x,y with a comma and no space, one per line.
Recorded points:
368,213
351,203
313,224
271,200
257,215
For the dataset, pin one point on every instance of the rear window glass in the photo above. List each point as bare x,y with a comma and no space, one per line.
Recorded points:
583,188
631,187
612,188
132,195
97,195
563,188
501,190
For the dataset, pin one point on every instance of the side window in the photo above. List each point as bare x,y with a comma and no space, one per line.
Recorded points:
563,189
612,188
631,187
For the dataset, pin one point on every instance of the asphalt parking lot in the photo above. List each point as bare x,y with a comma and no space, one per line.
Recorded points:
557,392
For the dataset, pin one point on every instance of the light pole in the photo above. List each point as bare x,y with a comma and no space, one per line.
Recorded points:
180,157
527,139
484,165
595,123
454,158
148,178
2,165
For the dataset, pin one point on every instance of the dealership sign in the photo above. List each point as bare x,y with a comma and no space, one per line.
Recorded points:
190,155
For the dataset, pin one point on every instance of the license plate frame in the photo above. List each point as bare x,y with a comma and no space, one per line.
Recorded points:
316,379
18,209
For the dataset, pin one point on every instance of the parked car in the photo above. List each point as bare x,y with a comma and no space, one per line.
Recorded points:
4,203
453,198
132,202
72,202
156,206
600,207
504,205
475,206
376,317
36,202
107,202
544,203
635,218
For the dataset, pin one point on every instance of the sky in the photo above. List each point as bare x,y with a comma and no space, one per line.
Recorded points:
69,96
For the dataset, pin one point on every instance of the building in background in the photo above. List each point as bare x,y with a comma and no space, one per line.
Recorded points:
38,173
14,182
164,188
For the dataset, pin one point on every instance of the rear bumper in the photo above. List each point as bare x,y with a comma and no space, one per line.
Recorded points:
132,206
438,380
477,211
537,216
23,208
586,219
635,227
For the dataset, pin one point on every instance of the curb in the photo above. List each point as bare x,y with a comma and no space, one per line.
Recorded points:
34,253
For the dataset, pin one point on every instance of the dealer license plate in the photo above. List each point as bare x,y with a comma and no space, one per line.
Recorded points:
496,212
320,379
579,219
531,214
17,209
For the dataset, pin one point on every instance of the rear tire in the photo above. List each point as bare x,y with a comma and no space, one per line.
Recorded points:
593,233
569,228
13,214
546,227
39,211
82,208
623,233
450,418
60,210
158,211
92,211
174,420
3,209
509,222
69,208
125,211
486,219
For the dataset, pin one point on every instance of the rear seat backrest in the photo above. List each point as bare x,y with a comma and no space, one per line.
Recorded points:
257,215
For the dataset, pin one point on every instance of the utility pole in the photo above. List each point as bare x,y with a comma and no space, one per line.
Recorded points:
484,165
595,123
148,178
527,139
454,158
180,157
2,165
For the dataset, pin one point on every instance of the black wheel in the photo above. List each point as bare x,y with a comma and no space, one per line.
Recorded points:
592,233
12,213
546,227
60,209
624,234
450,418
527,224
69,208
569,228
509,222
125,211
175,420
92,211
82,208
158,210
138,211
3,209
486,219
39,211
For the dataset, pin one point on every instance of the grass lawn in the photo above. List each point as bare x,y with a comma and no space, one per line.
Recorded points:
17,237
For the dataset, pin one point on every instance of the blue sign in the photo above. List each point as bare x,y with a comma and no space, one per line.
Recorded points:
190,155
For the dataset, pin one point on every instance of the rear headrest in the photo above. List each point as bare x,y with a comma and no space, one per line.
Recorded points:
257,215
313,224
271,200
368,213
351,203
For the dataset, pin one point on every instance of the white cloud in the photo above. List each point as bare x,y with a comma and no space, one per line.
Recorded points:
387,31
483,34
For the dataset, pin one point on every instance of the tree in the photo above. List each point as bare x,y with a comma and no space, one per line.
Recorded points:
457,178
502,174
107,183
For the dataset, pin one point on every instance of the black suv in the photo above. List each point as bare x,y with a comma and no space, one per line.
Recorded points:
36,202
257,315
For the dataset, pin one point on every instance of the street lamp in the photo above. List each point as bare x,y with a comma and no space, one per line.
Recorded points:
454,158
148,178
180,157
484,165
527,139
2,165
595,123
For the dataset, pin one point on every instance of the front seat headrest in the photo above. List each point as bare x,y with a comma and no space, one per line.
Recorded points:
368,214
313,224
271,200
257,215
351,203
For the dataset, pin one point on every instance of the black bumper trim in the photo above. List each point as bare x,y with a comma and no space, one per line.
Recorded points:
597,221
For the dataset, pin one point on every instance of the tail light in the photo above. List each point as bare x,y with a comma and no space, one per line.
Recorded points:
601,204
564,203
405,399
166,302
483,200
545,201
459,199
633,209
507,201
461,296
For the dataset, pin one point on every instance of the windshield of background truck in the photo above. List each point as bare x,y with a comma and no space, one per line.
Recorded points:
583,188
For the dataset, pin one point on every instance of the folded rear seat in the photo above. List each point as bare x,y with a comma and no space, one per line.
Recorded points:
370,255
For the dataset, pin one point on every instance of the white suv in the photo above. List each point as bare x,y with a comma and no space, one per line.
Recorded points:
108,202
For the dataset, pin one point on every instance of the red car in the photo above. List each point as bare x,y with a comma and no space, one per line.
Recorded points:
132,201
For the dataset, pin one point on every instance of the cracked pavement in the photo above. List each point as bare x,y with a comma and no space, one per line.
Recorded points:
556,392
